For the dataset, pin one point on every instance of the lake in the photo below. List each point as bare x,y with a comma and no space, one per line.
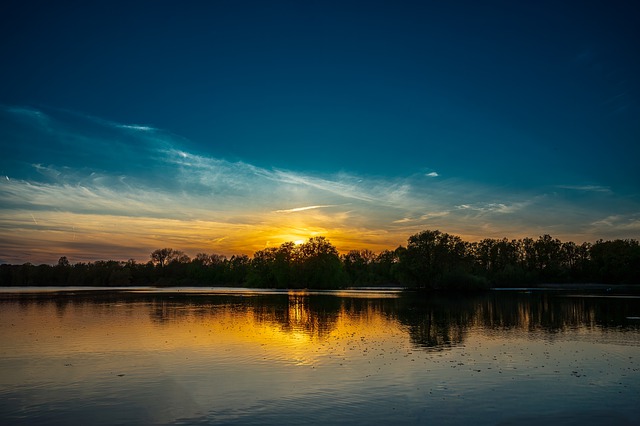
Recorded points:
233,356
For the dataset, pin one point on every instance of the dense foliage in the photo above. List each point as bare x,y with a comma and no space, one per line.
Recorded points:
431,260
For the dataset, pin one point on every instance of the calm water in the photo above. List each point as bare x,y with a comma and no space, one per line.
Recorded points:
245,357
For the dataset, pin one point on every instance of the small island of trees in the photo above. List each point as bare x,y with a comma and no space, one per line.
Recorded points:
431,260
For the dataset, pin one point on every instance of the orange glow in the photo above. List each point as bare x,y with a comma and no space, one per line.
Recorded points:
86,237
299,336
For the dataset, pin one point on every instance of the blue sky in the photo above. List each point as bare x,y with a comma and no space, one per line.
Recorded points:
227,127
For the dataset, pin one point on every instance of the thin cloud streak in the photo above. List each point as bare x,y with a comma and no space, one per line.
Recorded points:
301,209
137,127
586,188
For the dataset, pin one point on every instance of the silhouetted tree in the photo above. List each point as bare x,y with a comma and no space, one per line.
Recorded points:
385,267
434,259
238,268
262,272
358,266
162,257
499,261
318,265
616,261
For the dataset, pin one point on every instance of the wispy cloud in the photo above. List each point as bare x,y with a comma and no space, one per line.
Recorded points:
627,223
422,218
586,188
503,208
28,113
404,220
431,215
95,188
301,209
136,127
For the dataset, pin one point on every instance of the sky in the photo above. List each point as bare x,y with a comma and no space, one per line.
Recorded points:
230,126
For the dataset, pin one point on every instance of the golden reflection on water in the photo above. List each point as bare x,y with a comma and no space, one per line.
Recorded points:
292,331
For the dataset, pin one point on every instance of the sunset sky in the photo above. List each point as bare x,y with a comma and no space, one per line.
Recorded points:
230,126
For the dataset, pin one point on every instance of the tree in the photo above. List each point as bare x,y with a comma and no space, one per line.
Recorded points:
202,259
262,273
434,259
163,257
358,266
548,257
616,261
238,269
498,261
60,274
385,266
317,264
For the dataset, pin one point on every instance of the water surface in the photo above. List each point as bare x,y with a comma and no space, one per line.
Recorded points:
228,356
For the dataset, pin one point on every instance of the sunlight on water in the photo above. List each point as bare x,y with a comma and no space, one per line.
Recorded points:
290,357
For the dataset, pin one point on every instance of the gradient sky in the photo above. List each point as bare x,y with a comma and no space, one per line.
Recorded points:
230,126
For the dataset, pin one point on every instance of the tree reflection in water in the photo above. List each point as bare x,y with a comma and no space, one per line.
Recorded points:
434,321
441,321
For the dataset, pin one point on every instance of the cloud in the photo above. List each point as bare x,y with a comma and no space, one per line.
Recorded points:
33,115
404,220
586,188
136,127
301,209
433,214
424,217
432,174
619,222
503,208
95,188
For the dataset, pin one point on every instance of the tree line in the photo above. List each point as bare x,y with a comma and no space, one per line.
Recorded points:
431,260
